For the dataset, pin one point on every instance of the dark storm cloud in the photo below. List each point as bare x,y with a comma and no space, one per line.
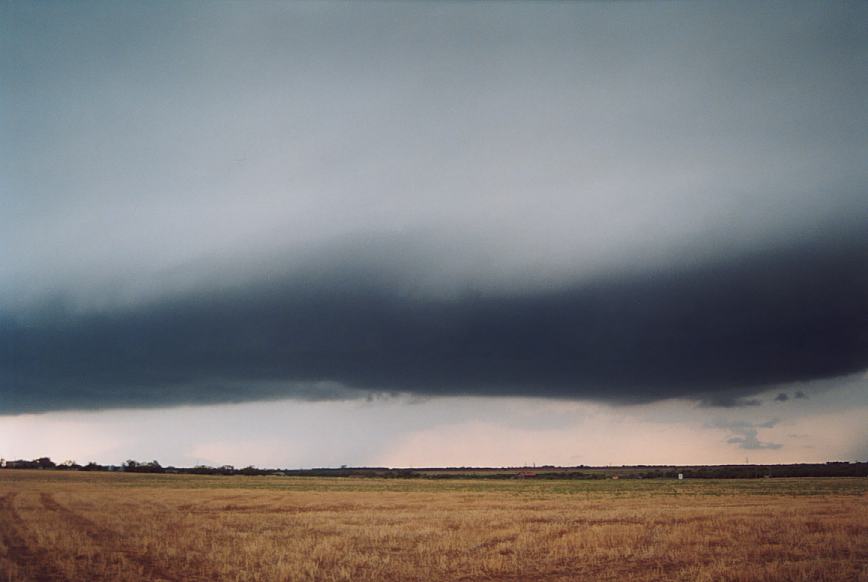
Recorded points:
728,400
797,395
622,202
722,329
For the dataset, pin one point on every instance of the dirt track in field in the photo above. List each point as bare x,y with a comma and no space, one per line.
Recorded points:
110,541
27,559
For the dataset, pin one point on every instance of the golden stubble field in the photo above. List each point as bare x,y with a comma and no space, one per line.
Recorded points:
104,526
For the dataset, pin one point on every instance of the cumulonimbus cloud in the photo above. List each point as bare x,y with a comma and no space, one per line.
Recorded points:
570,200
715,330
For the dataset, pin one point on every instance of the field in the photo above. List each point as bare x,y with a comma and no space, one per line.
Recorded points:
108,526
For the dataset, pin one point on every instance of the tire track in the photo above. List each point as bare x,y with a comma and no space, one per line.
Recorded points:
107,540
33,563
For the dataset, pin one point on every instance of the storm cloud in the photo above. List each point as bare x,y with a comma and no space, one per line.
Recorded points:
716,330
619,202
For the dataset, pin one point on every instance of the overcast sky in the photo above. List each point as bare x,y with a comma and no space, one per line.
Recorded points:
431,230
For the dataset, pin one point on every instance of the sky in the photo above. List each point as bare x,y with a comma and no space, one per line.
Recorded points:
434,233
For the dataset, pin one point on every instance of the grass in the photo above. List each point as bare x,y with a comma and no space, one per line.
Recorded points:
106,526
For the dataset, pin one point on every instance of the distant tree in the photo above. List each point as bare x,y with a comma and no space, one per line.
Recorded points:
132,466
44,463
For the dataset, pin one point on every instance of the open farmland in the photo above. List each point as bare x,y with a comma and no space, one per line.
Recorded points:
109,526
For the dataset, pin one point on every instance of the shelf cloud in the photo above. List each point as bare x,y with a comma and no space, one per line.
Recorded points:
715,331
621,202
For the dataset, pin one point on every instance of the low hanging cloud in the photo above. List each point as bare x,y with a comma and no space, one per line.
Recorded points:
747,439
715,332
746,434
785,397
729,400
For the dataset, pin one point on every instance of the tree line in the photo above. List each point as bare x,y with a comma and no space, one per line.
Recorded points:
829,469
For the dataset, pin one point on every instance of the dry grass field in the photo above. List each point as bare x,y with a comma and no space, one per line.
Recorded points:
105,526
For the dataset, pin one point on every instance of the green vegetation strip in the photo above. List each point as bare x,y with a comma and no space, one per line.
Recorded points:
609,487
